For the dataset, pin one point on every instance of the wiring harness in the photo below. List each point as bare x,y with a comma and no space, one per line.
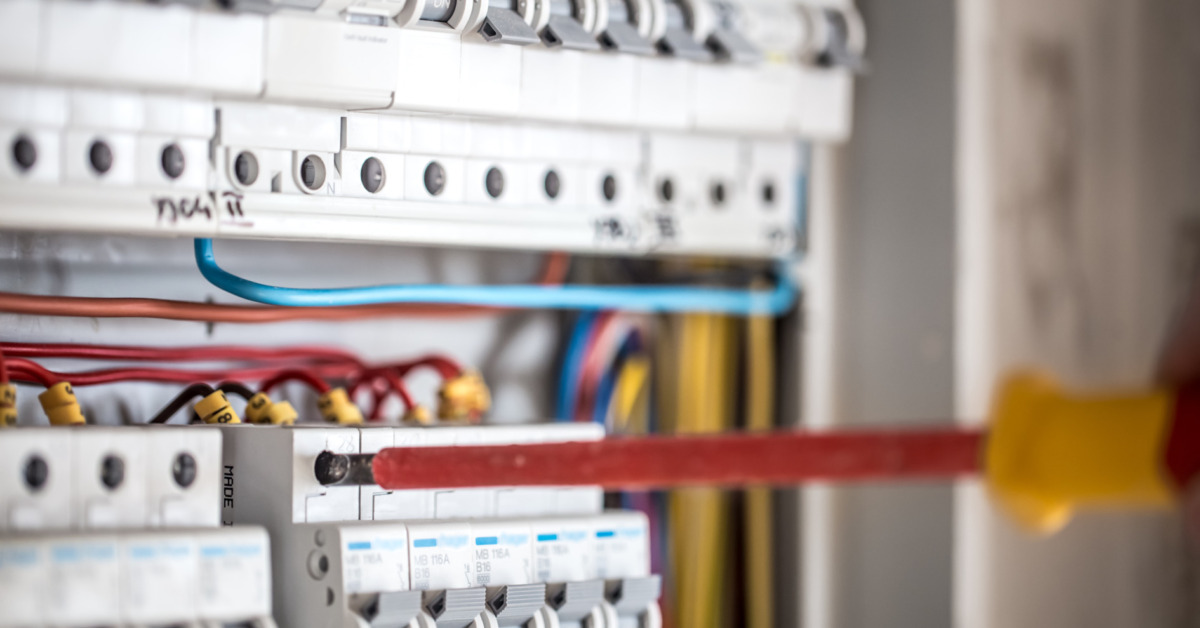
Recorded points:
336,376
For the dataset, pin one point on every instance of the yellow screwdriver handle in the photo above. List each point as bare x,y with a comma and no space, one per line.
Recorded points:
1049,452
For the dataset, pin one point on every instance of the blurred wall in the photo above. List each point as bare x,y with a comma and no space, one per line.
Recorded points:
896,302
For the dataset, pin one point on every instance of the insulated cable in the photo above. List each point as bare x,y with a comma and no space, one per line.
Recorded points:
236,388
633,298
291,375
553,272
215,353
198,389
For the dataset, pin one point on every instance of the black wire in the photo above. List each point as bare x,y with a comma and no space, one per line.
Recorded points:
189,393
236,388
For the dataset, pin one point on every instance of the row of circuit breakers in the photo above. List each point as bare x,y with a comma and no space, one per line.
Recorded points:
629,126
217,526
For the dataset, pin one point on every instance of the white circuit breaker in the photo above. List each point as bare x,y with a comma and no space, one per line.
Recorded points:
195,577
268,475
376,122
479,572
109,477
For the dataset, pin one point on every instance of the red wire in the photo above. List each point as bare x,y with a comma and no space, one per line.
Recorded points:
181,376
177,354
3,368
446,367
290,375
585,389
553,273
392,384
24,370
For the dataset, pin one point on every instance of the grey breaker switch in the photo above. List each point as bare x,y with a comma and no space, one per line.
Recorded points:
455,608
394,609
503,25
514,605
620,34
564,29
677,40
837,51
574,601
631,596
266,6
729,45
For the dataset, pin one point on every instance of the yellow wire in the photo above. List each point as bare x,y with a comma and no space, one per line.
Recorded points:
760,415
630,396
700,519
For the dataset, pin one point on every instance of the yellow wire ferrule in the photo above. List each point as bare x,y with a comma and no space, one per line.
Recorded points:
336,407
281,413
417,415
1049,453
257,408
215,408
61,406
8,405
464,397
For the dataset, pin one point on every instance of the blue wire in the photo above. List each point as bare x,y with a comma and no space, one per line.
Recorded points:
568,378
631,343
630,298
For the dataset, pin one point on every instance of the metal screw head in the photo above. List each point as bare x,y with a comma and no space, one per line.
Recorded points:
100,156
112,471
666,190
172,161
245,168
493,182
372,175
184,470
312,172
435,178
552,184
24,153
718,194
768,193
36,472
609,187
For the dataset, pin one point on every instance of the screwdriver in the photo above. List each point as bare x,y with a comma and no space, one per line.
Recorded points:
1044,453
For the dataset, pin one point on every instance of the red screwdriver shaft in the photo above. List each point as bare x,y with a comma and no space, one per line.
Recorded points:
778,458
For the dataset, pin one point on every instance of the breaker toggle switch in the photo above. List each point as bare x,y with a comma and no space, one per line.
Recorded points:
515,605
455,608
503,25
682,20
621,33
726,41
393,609
267,6
575,601
567,27
838,38
632,596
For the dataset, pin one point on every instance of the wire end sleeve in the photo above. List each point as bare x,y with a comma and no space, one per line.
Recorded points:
61,406
631,298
